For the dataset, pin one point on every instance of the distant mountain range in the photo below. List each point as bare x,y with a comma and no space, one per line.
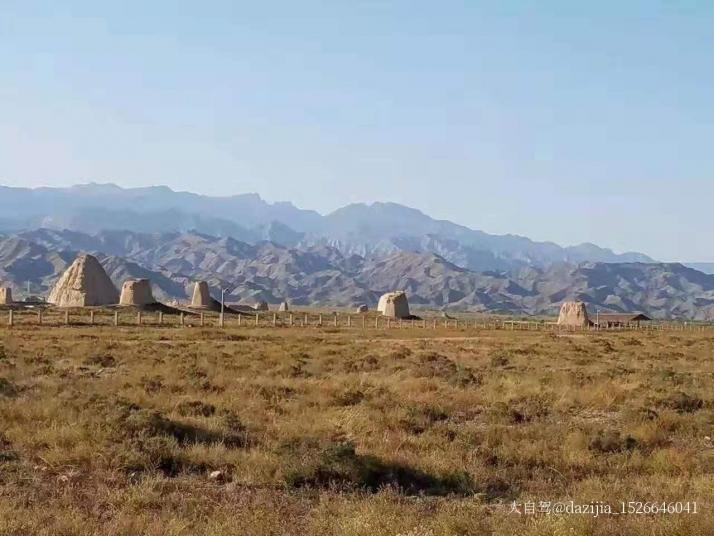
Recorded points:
706,267
272,252
366,230
324,274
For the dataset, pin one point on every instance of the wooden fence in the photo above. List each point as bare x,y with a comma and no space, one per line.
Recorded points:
103,317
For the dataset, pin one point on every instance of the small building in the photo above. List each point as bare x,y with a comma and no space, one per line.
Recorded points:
617,320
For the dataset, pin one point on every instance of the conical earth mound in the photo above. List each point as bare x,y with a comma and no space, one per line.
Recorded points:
573,314
83,284
203,301
202,297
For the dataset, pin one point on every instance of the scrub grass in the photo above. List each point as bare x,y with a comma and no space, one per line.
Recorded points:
352,432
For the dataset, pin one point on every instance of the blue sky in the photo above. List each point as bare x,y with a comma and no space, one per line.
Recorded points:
563,121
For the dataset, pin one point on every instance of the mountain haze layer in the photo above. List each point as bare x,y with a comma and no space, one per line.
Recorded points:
365,230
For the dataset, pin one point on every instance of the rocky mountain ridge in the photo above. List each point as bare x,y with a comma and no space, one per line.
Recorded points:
321,274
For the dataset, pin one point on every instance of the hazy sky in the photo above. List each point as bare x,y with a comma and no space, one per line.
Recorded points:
564,121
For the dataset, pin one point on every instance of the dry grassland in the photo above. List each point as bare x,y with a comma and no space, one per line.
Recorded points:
350,432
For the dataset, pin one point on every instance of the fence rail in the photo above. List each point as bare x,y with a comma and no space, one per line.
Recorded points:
92,317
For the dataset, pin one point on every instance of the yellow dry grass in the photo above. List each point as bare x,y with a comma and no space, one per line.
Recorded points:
350,432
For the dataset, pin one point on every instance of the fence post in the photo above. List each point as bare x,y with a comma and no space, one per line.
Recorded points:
335,320
201,321
435,323
116,318
221,320
138,318
364,321
389,322
183,319
161,318
306,320
240,319
319,320
257,319
349,321
10,318
292,319
39,317
91,317
275,319
376,322
66,318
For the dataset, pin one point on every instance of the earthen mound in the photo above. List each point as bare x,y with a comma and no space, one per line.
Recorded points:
573,314
83,284
394,305
136,292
